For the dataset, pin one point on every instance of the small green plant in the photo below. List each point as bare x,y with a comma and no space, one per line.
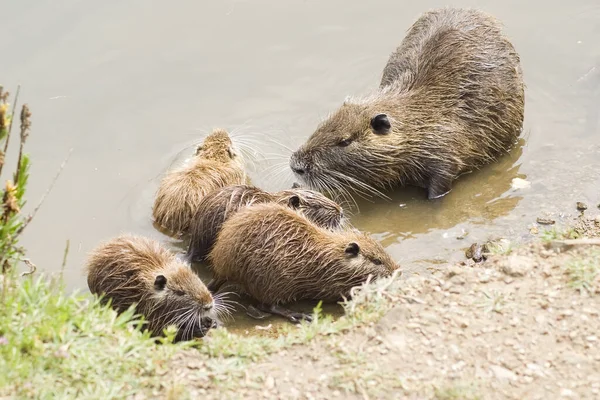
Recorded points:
12,192
499,247
457,392
556,234
582,271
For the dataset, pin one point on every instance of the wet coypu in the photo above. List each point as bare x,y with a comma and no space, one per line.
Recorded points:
214,165
451,99
220,204
277,256
133,269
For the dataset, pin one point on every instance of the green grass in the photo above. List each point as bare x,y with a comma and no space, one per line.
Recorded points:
582,271
558,234
54,345
457,392
499,247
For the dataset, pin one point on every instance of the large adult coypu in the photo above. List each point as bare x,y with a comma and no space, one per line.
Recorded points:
132,269
451,99
278,256
214,165
221,203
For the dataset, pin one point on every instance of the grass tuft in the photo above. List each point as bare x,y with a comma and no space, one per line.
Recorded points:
584,271
54,345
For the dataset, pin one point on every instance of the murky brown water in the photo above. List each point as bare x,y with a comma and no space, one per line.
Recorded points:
130,85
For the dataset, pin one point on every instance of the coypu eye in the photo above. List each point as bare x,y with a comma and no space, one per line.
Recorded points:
345,142
352,249
381,124
377,261
230,152
179,292
160,282
294,202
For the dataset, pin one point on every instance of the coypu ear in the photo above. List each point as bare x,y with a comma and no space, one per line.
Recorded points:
160,282
198,149
381,124
294,202
352,249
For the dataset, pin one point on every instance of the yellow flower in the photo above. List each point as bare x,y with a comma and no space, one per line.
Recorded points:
10,200
4,118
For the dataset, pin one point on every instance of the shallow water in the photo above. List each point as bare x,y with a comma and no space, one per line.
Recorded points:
131,85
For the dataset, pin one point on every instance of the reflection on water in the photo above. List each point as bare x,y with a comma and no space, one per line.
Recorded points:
132,85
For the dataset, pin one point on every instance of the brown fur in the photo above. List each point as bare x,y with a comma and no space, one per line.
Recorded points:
278,256
218,205
127,270
215,165
453,94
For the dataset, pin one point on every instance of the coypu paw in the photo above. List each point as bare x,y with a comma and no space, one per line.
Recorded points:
438,187
255,313
214,285
292,316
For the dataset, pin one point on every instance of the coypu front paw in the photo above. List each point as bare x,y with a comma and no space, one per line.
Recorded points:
292,316
255,313
438,187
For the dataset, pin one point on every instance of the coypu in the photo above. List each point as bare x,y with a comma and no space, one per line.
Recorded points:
451,99
214,165
132,269
219,204
278,256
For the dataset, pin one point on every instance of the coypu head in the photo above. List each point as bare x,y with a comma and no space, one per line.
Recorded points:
218,147
364,253
351,148
314,205
183,300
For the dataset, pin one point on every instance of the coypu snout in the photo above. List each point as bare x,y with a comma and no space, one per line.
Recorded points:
299,163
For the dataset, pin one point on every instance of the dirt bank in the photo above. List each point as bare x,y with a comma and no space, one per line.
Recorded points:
522,325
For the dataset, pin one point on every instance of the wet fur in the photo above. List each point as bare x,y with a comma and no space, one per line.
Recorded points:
215,165
218,205
125,270
278,256
453,92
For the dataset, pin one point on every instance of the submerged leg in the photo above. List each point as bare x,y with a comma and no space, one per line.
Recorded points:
215,284
290,315
255,313
439,186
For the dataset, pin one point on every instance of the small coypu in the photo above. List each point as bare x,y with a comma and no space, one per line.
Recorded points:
278,256
219,204
215,165
451,99
133,269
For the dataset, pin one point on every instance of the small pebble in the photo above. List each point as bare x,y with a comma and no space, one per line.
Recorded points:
518,183
545,221
581,206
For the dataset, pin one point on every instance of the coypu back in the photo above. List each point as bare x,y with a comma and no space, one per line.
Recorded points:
315,206
218,205
215,165
131,269
278,256
451,99
213,210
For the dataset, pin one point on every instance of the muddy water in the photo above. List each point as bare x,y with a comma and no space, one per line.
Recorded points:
131,85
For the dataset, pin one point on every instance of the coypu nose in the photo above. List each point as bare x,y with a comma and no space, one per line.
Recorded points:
298,170
207,323
297,166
